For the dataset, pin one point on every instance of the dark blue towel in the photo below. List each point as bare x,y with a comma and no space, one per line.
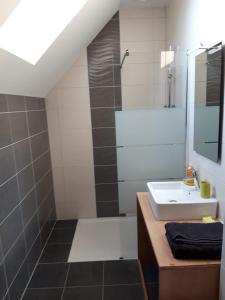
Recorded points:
195,240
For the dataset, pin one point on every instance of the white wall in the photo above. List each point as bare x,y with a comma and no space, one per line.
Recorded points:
191,22
142,31
20,77
69,121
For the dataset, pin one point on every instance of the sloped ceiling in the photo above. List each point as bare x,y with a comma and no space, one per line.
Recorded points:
144,3
20,77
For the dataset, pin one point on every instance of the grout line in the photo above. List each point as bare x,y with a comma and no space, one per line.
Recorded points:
86,286
38,257
31,136
20,111
27,254
65,282
28,193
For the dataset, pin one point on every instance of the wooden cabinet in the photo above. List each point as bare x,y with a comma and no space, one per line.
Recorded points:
178,279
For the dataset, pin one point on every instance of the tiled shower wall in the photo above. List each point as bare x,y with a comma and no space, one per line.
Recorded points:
105,100
27,208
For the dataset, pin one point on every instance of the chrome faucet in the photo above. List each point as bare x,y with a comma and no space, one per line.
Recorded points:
196,177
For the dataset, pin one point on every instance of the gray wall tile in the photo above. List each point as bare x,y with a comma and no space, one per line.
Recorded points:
102,97
105,99
44,187
107,192
105,156
28,207
19,223
105,174
37,121
7,164
103,117
10,229
19,126
22,154
104,137
31,231
5,134
14,258
15,103
26,181
107,209
34,103
9,197
39,144
41,166
3,103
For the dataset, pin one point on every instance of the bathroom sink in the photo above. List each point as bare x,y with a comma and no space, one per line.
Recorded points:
172,200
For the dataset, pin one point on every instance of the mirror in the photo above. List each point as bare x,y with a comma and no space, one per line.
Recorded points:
209,86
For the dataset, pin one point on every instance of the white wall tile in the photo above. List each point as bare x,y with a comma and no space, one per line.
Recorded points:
77,147
75,77
134,30
69,120
137,74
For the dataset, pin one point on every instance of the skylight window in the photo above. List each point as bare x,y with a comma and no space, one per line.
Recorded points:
35,24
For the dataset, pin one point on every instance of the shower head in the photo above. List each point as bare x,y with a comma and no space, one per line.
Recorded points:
127,53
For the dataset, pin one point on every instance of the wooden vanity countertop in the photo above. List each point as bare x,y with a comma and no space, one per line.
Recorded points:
161,248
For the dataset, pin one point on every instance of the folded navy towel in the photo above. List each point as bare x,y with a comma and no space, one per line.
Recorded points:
194,240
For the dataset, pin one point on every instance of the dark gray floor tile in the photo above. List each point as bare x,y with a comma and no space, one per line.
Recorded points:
14,258
10,229
55,253
102,97
22,153
103,117
19,126
26,181
107,192
61,236
5,136
37,121
35,103
39,144
153,291
8,197
106,174
49,275
83,293
43,294
151,273
3,103
66,224
85,273
108,209
15,103
104,137
19,284
123,292
28,207
7,164
121,272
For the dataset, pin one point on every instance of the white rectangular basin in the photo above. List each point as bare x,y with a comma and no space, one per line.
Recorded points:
173,201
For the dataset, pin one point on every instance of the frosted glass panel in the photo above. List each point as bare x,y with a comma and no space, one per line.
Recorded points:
127,195
149,127
151,162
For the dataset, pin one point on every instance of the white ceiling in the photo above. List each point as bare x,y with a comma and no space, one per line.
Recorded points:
20,77
144,3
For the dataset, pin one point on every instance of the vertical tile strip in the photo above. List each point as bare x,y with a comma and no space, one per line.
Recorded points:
105,99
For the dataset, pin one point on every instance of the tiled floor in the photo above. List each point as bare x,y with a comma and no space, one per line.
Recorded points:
56,279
